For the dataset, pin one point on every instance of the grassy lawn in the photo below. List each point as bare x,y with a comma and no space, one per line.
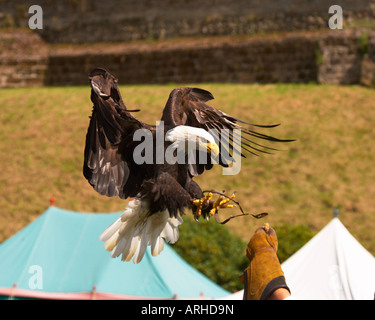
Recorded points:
330,165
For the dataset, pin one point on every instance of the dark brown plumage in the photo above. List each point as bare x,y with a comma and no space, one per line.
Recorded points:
109,164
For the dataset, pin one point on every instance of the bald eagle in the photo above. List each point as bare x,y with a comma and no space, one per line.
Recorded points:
116,164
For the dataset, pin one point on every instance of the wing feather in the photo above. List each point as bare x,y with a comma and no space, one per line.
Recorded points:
187,106
106,165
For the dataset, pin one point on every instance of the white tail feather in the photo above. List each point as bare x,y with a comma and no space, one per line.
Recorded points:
110,230
130,234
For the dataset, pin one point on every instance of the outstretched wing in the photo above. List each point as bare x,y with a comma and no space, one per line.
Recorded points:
187,106
109,144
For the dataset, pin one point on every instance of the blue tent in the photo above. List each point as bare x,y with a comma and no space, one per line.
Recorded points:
60,256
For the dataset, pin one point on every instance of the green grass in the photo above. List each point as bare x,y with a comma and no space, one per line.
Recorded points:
42,132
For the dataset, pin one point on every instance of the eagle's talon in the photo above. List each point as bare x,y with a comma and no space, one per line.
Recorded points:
200,203
208,208
197,202
221,203
212,211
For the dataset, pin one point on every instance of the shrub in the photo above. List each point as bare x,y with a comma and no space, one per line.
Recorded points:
213,250
291,238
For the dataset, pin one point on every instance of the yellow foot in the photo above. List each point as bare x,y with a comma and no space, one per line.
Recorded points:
221,203
200,203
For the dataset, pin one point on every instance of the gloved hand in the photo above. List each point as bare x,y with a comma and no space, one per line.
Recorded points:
264,274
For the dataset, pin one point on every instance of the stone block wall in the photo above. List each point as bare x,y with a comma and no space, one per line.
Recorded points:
341,58
368,60
337,57
23,59
263,60
73,21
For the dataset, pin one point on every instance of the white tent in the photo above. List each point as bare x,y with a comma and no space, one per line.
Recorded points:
333,265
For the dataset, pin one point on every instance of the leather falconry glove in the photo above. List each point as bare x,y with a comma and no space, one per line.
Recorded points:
264,274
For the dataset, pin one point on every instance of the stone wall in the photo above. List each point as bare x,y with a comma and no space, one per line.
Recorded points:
287,59
338,57
368,60
72,21
341,58
23,59
332,57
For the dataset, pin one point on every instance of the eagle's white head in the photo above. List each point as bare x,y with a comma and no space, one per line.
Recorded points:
190,139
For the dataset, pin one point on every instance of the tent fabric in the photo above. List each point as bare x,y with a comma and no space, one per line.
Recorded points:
333,265
60,256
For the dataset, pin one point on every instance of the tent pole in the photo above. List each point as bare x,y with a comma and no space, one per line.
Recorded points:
93,293
335,213
12,292
52,201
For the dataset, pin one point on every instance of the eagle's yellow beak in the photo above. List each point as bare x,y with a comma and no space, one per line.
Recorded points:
212,148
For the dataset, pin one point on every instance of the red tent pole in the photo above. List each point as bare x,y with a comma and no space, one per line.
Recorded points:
52,201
